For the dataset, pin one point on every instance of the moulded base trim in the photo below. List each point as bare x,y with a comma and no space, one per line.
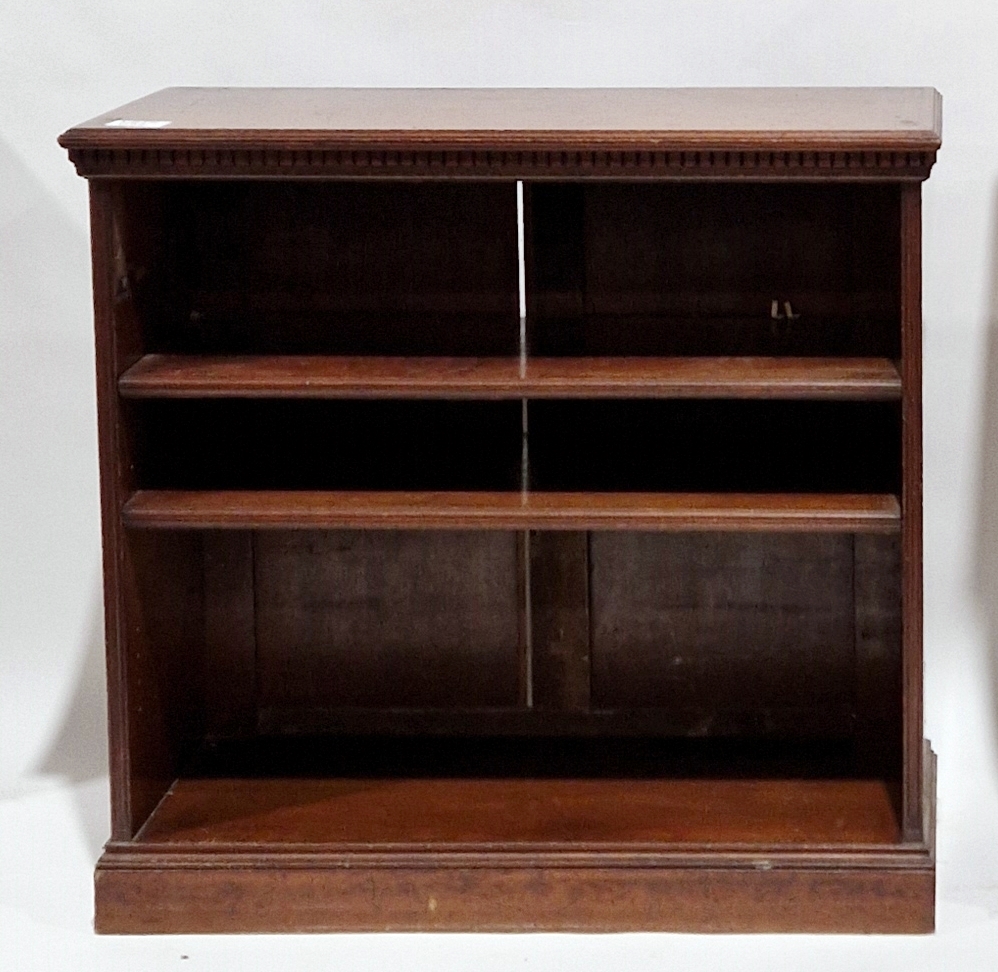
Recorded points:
705,898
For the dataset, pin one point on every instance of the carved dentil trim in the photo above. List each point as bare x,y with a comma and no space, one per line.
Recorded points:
166,162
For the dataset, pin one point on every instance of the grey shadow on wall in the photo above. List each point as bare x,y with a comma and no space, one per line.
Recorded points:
45,299
986,560
78,753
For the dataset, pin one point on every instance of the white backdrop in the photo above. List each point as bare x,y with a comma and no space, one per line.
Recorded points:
62,61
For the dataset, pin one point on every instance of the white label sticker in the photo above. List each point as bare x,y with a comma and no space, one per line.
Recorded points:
132,123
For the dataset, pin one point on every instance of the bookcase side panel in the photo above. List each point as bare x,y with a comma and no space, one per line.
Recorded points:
153,582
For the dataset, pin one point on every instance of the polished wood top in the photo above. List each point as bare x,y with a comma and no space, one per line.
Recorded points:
674,119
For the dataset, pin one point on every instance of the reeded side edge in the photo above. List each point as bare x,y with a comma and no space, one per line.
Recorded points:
911,508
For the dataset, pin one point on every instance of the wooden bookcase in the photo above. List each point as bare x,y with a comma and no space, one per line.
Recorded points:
427,612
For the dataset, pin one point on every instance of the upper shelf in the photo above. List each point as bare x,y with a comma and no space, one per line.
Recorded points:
295,376
282,509
481,133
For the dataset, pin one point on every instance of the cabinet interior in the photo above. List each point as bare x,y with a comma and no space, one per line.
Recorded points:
719,269
426,666
344,268
398,655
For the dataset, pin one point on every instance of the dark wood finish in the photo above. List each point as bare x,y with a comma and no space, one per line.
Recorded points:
525,673
559,592
807,512
298,376
331,267
230,637
822,888
682,720
724,623
877,641
860,888
154,623
387,618
113,492
523,814
691,278
722,165
164,669
831,896
423,616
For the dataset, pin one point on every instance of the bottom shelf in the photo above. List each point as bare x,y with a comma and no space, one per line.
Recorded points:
521,814
357,791
252,853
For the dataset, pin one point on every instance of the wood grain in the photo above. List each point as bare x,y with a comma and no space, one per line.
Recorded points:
153,622
877,639
423,814
230,641
330,589
757,897
114,489
839,513
386,618
211,887
560,600
303,376
724,623
745,134
827,118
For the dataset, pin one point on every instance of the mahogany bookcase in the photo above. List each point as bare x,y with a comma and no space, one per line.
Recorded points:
512,508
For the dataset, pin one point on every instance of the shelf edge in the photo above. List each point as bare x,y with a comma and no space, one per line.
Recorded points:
304,376
512,511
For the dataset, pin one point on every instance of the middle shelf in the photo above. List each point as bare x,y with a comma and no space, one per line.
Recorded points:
314,376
